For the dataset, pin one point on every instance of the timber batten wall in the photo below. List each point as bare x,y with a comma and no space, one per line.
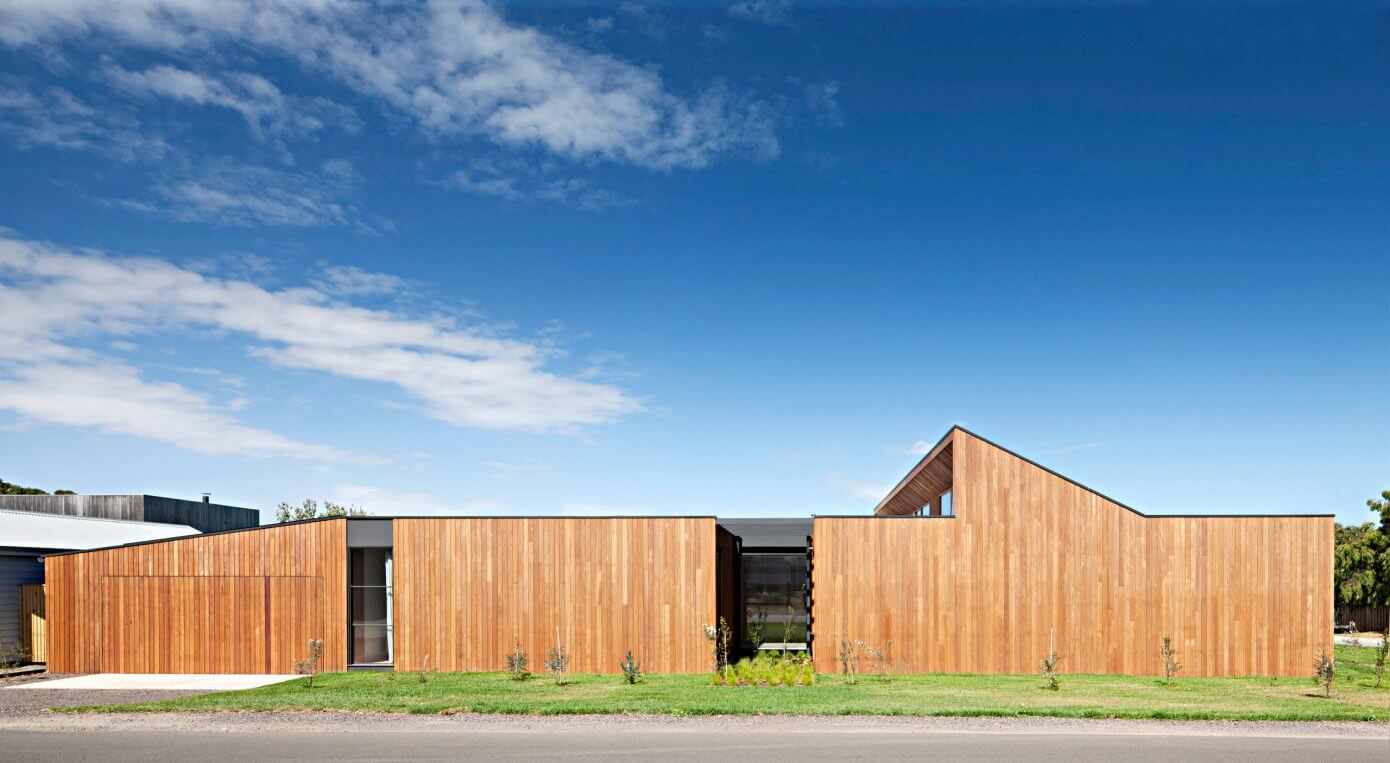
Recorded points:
466,588
1029,553
236,602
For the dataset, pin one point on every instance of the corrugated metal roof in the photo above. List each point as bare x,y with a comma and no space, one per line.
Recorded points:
27,529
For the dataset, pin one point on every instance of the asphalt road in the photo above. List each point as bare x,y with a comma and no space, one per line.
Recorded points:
687,745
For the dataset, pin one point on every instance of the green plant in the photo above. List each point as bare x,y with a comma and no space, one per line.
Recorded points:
848,657
557,661
1170,659
881,658
1382,652
769,669
632,668
718,636
757,629
1049,670
309,666
423,673
518,666
1324,672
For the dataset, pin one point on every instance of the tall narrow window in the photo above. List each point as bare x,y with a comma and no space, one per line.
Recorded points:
372,616
774,590
947,510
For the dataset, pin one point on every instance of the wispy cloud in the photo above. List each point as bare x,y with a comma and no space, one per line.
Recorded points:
506,470
770,12
454,68
54,118
867,491
487,180
225,193
266,110
919,448
350,281
54,299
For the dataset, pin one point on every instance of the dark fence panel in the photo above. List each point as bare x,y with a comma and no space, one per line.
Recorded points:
1366,618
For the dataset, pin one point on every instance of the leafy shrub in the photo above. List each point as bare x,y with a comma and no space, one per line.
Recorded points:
309,666
557,661
1170,659
518,667
1324,671
1049,670
769,669
632,668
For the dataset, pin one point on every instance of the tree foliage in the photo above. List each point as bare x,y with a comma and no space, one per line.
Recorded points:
9,488
1362,558
310,509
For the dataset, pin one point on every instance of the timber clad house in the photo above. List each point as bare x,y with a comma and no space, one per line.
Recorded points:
975,563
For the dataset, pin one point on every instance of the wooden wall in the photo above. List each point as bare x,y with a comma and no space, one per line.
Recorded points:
1030,553
236,602
466,587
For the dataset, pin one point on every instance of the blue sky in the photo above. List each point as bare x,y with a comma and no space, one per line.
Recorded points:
734,259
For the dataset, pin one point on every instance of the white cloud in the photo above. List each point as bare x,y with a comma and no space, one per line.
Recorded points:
506,470
88,391
255,98
770,12
224,193
919,448
54,118
350,281
861,490
466,375
455,68
485,180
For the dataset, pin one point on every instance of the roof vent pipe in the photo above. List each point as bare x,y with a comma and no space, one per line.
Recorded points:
207,497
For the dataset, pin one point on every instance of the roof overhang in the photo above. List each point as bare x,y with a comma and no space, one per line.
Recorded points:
931,477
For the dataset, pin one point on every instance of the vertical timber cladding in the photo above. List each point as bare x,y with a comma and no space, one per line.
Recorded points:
1030,554
245,601
467,588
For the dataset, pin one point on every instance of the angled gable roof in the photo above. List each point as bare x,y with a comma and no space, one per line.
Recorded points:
934,474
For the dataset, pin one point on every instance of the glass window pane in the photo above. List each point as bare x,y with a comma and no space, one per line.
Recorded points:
369,566
369,605
774,587
370,644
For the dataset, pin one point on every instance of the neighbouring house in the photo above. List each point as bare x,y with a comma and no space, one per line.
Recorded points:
32,526
978,561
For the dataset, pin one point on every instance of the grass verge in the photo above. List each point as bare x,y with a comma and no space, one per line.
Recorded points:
1354,697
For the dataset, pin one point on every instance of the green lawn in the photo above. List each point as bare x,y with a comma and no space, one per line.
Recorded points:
1083,696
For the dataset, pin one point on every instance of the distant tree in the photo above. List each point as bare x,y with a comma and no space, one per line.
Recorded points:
9,488
1361,558
310,509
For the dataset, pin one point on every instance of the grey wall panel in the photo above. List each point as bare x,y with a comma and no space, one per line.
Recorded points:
204,517
14,572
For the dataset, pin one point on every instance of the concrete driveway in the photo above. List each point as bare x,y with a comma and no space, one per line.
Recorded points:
157,681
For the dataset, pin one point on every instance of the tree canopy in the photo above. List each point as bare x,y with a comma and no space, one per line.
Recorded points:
310,509
1362,558
9,488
